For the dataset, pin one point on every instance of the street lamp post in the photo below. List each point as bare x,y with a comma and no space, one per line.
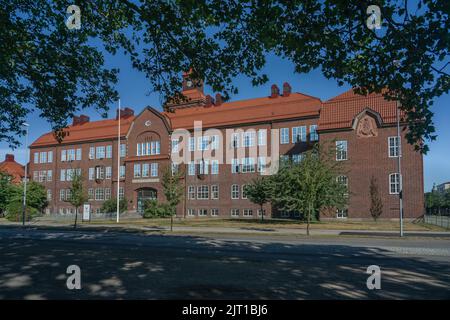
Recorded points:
118,167
24,206
399,168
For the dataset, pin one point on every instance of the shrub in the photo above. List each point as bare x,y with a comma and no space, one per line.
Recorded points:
153,209
14,212
110,206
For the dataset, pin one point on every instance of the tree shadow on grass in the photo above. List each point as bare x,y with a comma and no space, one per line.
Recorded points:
132,266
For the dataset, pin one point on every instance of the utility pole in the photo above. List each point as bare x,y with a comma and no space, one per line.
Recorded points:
399,169
24,205
118,166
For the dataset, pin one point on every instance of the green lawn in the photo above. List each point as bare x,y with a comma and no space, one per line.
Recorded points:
385,225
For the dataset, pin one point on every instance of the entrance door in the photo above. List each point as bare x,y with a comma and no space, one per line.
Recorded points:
143,195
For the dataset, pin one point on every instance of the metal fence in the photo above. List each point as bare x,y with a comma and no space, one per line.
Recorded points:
441,220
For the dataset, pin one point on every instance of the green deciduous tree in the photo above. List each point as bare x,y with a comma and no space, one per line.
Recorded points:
6,191
259,192
376,204
111,205
173,190
309,186
78,194
45,66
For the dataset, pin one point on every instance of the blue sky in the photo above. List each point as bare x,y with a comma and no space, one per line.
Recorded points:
134,90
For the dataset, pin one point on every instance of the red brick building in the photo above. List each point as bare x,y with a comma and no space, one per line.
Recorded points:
12,168
233,145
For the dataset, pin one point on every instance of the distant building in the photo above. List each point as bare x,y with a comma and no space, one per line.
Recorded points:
443,187
13,168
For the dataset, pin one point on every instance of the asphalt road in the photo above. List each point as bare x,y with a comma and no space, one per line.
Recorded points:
117,265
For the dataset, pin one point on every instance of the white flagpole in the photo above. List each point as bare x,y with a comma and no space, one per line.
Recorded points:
118,167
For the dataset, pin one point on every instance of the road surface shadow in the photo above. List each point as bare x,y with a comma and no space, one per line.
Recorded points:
174,267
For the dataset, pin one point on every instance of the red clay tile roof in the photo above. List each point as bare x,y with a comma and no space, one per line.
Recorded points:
103,129
14,169
246,111
339,112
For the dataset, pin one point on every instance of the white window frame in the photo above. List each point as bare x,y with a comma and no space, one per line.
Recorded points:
313,135
215,192
234,212
191,193
394,186
215,167
235,192
203,192
393,147
284,135
262,137
341,150
154,169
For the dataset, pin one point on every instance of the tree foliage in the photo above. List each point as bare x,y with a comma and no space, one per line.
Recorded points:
259,192
309,186
172,188
376,204
44,65
78,195
111,205
435,201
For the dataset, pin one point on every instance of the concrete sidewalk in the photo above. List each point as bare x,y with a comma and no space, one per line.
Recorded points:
225,230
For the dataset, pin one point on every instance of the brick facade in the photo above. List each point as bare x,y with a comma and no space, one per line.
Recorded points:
366,135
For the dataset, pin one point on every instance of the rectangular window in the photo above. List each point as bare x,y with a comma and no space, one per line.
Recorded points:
297,158
299,134
341,150
100,172
234,165
261,164
247,212
91,173
36,157
202,212
191,144
156,145
191,192
214,212
121,193
175,145
234,212
394,183
191,168
78,154
215,142
90,194
203,143
215,192
91,153
49,175
50,157
137,170
71,155
68,194
63,155
341,213
100,152
109,151
174,168
145,170
123,150
244,195
215,167
313,135
284,135
203,166
202,192
248,165
248,139
43,157
190,212
235,191
262,137
393,146
235,140
138,150
42,176
107,193
35,175
122,172
263,212
154,169
99,194
108,172
62,195
62,176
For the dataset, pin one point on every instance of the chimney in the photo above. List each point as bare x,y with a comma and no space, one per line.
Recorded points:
9,158
287,89
209,101
275,91
124,113
83,119
75,121
219,99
